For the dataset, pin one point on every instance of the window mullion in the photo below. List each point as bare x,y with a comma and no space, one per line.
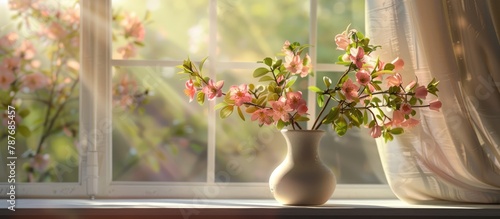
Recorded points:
212,48
313,26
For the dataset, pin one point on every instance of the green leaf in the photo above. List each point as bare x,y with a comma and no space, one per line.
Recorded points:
280,125
260,72
320,99
226,111
268,61
241,114
202,63
220,105
291,81
24,112
341,126
315,89
381,73
278,63
138,43
327,81
397,131
332,115
266,78
365,117
200,97
389,66
24,131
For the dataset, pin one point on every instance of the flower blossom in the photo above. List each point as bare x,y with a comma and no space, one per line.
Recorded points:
295,101
306,66
421,92
26,50
358,57
286,49
405,108
394,80
409,123
293,64
213,90
55,31
281,110
398,64
342,41
127,51
35,81
363,77
190,90
263,115
376,131
435,105
350,90
133,26
11,64
6,78
8,40
240,94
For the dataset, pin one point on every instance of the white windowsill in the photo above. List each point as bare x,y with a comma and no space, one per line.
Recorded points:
205,208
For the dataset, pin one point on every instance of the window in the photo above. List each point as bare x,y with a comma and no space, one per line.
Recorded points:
168,147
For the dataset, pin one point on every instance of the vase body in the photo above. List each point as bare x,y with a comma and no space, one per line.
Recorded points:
302,178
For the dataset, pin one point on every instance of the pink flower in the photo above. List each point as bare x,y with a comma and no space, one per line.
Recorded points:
240,94
410,85
35,81
421,92
398,64
410,123
342,41
213,90
6,78
11,64
363,77
394,80
358,57
281,110
405,108
133,27
190,90
127,51
293,64
435,105
397,118
350,90
55,31
306,66
26,50
376,131
22,5
71,16
8,40
295,101
263,115
286,49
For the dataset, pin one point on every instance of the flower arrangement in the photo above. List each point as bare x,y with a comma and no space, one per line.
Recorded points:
360,98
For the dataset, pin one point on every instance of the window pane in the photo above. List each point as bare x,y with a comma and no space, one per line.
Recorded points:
157,134
353,157
333,18
252,30
176,28
39,55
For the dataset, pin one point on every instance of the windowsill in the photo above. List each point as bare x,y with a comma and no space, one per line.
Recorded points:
227,208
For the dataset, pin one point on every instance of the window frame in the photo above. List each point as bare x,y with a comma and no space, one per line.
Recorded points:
96,124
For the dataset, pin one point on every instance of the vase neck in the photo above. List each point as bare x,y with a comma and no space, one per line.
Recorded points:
303,145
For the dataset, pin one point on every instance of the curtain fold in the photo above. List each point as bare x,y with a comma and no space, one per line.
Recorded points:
453,155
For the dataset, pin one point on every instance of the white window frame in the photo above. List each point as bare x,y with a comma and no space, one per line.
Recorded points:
96,124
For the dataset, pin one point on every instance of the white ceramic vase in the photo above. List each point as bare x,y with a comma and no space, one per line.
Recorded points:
302,178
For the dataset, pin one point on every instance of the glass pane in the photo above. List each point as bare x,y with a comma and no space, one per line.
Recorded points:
39,77
157,134
252,30
333,18
353,157
175,29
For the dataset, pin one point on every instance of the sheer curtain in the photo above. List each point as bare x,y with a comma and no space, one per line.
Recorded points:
453,155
